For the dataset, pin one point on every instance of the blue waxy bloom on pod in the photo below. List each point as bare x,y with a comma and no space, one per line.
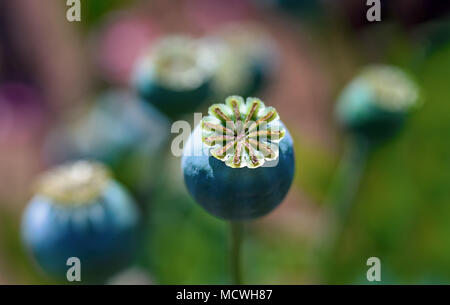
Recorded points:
238,163
79,211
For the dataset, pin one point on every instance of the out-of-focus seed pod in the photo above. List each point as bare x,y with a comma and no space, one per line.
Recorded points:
376,102
79,211
175,74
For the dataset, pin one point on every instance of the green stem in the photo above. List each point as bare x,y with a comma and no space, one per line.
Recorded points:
343,192
348,178
235,252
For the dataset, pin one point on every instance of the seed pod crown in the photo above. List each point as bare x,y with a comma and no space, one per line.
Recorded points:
242,134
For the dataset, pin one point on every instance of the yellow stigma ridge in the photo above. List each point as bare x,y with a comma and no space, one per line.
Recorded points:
75,183
242,134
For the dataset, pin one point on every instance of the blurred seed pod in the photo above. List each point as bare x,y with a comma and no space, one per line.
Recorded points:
376,102
79,211
247,58
175,74
119,130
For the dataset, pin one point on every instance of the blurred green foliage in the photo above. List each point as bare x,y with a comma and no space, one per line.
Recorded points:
314,168
94,11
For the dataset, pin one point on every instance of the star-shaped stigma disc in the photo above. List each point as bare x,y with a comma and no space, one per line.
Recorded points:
242,134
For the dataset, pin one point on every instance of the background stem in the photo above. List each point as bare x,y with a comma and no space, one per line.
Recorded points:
343,191
235,252
348,178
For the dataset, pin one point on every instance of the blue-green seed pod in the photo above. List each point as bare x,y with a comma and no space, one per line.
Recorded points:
80,211
238,163
247,58
377,101
175,75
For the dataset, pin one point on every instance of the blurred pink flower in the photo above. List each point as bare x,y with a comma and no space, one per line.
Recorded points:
119,42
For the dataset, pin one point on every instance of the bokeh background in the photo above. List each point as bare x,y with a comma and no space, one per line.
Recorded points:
51,68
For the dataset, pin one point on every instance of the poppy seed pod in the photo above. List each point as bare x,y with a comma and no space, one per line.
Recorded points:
80,211
376,102
175,75
238,164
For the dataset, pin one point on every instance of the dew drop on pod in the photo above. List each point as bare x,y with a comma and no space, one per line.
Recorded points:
175,74
238,164
247,57
79,211
377,101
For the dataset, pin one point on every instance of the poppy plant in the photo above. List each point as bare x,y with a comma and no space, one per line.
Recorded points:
238,163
